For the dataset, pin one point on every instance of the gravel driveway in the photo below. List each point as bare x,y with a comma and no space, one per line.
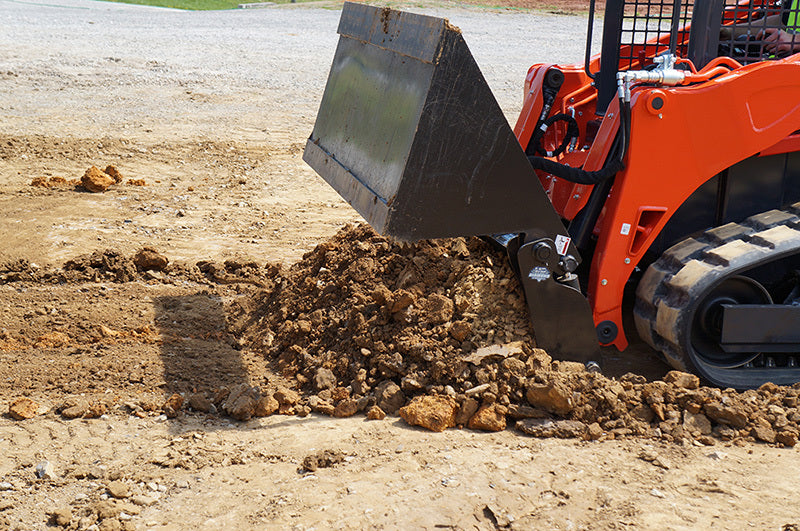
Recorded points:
138,69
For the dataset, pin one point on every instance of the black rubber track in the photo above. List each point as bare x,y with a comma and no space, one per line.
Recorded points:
673,287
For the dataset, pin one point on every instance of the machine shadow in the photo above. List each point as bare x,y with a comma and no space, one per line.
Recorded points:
197,352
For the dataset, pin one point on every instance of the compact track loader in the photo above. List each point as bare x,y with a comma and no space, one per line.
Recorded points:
661,175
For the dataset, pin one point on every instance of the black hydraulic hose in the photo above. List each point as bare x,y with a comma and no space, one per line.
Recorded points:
572,133
613,165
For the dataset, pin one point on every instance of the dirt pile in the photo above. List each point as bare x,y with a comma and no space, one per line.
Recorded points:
363,321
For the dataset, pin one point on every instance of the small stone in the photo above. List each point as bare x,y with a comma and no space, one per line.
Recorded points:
657,493
518,411
172,406
144,501
762,430
114,173
61,516
324,379
199,402
75,411
787,437
460,330
717,455
389,397
682,379
376,413
286,396
346,408
148,259
594,431
563,429
435,413
5,485
45,470
694,423
266,405
96,181
553,397
468,408
489,418
118,489
23,409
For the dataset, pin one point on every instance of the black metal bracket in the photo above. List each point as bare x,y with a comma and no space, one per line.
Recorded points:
561,316
760,328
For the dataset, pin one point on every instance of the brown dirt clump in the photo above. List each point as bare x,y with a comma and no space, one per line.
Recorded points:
364,321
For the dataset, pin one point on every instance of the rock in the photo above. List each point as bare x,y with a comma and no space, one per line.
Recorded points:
460,330
74,409
61,516
114,173
376,413
118,489
468,408
539,360
148,259
346,408
489,418
241,402
682,379
726,414
144,501
477,390
520,411
762,430
106,509
45,470
389,397
322,459
787,437
286,396
594,431
438,308
110,524
23,409
172,406
696,423
324,379
199,402
96,181
435,413
266,406
563,429
553,397
321,406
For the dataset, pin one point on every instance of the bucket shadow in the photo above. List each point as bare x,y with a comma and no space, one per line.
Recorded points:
198,354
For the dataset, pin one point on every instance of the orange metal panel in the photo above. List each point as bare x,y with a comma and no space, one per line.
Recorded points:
700,131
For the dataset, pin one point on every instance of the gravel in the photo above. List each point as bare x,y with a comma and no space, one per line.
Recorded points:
131,70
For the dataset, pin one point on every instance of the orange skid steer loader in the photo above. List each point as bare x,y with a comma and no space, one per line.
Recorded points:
665,170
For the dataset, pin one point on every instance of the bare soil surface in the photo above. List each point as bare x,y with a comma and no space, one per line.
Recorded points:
213,341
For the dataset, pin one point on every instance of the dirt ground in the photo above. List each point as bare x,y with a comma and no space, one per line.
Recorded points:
131,367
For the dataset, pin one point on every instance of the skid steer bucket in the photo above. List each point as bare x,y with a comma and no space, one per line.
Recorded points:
409,133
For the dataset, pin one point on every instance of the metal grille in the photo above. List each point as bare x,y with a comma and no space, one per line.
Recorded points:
647,28
750,28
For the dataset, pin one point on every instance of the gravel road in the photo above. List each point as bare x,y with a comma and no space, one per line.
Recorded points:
246,72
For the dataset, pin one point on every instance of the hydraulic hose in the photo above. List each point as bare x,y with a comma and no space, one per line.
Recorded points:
614,163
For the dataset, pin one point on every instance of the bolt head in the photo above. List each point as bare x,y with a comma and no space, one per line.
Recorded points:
603,282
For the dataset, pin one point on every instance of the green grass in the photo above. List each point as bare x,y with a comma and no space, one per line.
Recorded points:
199,5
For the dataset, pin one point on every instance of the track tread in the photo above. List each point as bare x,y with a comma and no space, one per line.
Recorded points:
672,284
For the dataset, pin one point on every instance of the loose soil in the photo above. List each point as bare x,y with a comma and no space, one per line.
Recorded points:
198,347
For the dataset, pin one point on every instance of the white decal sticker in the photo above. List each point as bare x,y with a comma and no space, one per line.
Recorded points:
626,229
562,243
